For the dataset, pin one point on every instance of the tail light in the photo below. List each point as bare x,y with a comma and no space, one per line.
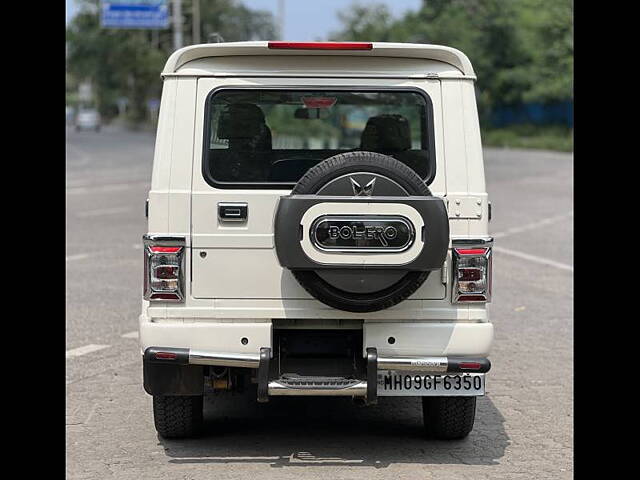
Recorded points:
320,45
164,268
472,274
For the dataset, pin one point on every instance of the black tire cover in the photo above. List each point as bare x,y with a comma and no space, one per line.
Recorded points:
361,290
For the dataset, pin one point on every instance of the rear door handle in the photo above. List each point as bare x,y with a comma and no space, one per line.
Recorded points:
233,211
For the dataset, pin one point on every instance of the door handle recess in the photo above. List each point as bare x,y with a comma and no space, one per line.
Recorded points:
233,211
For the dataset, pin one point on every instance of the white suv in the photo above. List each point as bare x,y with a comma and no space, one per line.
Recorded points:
317,225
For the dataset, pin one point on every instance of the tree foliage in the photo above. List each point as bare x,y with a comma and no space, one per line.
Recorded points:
521,50
127,63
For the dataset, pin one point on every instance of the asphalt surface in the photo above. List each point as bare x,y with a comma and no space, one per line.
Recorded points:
523,425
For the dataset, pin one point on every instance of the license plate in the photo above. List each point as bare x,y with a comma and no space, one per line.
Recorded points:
406,384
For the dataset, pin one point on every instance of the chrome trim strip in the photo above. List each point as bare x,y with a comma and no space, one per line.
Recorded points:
356,390
414,364
361,218
455,258
472,242
163,241
234,205
244,360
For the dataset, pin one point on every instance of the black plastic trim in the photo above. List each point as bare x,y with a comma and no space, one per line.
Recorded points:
263,374
454,364
182,355
171,377
287,186
291,209
372,376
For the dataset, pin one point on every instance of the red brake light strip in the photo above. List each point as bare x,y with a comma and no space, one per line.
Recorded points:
321,45
165,249
471,251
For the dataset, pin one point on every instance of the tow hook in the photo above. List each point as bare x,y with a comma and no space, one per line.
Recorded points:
220,378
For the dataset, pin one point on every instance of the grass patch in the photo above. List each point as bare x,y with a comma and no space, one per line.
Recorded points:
552,137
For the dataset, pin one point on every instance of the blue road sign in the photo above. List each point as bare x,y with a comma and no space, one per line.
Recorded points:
151,14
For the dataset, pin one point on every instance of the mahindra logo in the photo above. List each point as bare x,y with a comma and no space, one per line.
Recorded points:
362,233
365,191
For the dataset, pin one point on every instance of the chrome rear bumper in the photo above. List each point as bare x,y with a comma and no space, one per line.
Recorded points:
317,386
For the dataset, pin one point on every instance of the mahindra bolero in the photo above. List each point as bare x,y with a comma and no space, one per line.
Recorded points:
317,225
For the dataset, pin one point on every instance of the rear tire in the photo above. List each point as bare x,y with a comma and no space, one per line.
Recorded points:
177,416
448,418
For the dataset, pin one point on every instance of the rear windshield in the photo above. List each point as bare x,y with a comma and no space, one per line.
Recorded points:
271,137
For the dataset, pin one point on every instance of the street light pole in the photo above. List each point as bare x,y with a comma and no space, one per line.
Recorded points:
177,24
195,26
281,19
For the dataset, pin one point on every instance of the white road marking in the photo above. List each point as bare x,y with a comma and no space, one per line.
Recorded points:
79,256
137,246
93,410
133,334
534,258
114,187
532,226
76,352
103,211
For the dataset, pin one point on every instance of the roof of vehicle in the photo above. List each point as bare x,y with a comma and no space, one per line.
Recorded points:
439,53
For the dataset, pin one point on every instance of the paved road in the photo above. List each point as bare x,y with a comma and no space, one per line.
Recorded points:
523,425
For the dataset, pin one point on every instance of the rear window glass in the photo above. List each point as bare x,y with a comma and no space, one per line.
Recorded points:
270,138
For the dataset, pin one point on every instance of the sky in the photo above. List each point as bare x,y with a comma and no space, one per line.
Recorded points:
307,20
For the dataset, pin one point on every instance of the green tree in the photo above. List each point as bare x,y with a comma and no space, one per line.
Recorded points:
362,22
521,50
235,22
550,35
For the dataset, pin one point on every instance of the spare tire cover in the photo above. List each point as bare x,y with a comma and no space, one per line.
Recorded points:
361,174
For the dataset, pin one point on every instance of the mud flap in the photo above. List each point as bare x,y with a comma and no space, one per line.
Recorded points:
263,375
372,376
164,378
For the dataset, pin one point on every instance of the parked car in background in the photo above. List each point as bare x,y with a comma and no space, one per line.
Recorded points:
69,115
88,119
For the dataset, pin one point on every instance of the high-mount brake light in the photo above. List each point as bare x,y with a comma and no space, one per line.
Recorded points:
164,269
319,102
471,275
321,45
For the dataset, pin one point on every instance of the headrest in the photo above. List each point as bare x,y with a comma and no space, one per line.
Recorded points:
241,120
386,133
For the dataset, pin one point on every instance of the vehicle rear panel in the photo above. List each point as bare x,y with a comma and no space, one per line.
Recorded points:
240,261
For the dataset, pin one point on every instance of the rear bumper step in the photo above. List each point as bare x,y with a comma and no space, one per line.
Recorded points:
313,386
317,386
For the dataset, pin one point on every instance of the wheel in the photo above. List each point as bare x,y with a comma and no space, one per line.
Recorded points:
448,418
177,416
374,175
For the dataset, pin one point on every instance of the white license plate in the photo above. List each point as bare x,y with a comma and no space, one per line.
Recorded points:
407,384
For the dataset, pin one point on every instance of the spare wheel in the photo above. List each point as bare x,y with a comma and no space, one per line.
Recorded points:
361,231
